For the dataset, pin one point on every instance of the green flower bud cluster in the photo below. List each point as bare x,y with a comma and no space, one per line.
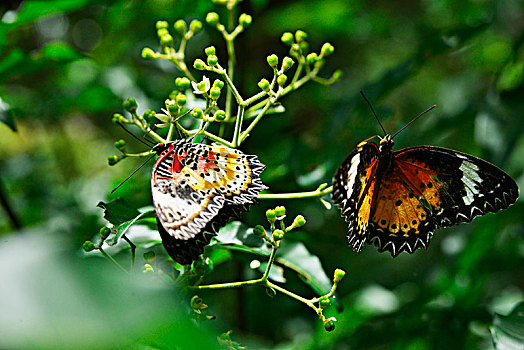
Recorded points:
148,53
197,113
118,119
104,232
264,85
163,33
182,83
329,324
180,27
338,275
297,42
213,19
244,20
274,215
120,145
88,246
113,159
199,309
149,116
130,105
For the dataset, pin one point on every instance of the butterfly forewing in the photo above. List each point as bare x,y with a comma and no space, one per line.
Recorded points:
354,189
196,188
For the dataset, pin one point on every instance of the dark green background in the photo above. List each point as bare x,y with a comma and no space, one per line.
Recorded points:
65,68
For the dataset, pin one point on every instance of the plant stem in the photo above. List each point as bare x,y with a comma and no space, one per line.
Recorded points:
111,260
316,193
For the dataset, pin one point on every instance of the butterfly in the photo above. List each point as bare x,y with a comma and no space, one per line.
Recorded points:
196,189
397,199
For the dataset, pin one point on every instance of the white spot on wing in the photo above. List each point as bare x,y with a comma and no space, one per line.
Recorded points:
470,179
352,174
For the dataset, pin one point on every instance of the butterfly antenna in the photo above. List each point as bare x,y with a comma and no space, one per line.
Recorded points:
412,120
136,137
133,173
372,110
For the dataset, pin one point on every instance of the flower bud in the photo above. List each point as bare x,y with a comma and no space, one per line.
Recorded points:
104,232
112,160
149,257
182,83
172,107
210,50
214,93
327,49
281,80
212,60
299,221
147,269
287,38
148,53
197,113
180,26
244,20
212,18
272,60
218,83
264,85
304,46
300,35
259,231
278,235
280,211
162,31
271,215
120,145
130,105
339,275
337,75
219,115
312,58
161,25
149,115
195,26
329,324
325,303
181,100
88,246
197,303
166,40
199,64
287,63
117,118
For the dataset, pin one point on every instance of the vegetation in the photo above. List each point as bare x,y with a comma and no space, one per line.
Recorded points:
267,78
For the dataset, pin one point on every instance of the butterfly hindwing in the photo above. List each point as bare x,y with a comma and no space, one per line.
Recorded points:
354,189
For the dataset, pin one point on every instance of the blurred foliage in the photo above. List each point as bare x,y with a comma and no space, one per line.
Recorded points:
66,66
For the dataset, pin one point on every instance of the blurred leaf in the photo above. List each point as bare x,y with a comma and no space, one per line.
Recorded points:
511,76
508,331
118,211
50,298
13,59
59,51
32,10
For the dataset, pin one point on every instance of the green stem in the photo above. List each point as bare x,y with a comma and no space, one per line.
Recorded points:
316,193
113,261
292,295
238,126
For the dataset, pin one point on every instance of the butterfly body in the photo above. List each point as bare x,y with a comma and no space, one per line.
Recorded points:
196,188
397,199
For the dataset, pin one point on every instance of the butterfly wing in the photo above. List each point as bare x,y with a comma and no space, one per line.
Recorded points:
354,190
184,202
433,187
231,172
196,190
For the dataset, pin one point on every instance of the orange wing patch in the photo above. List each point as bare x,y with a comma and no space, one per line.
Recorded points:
401,220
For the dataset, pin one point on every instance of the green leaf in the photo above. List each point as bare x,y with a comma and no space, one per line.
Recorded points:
294,255
118,211
124,227
511,76
507,332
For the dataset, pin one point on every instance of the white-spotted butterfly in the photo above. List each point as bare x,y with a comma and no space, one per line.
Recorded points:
396,199
196,189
